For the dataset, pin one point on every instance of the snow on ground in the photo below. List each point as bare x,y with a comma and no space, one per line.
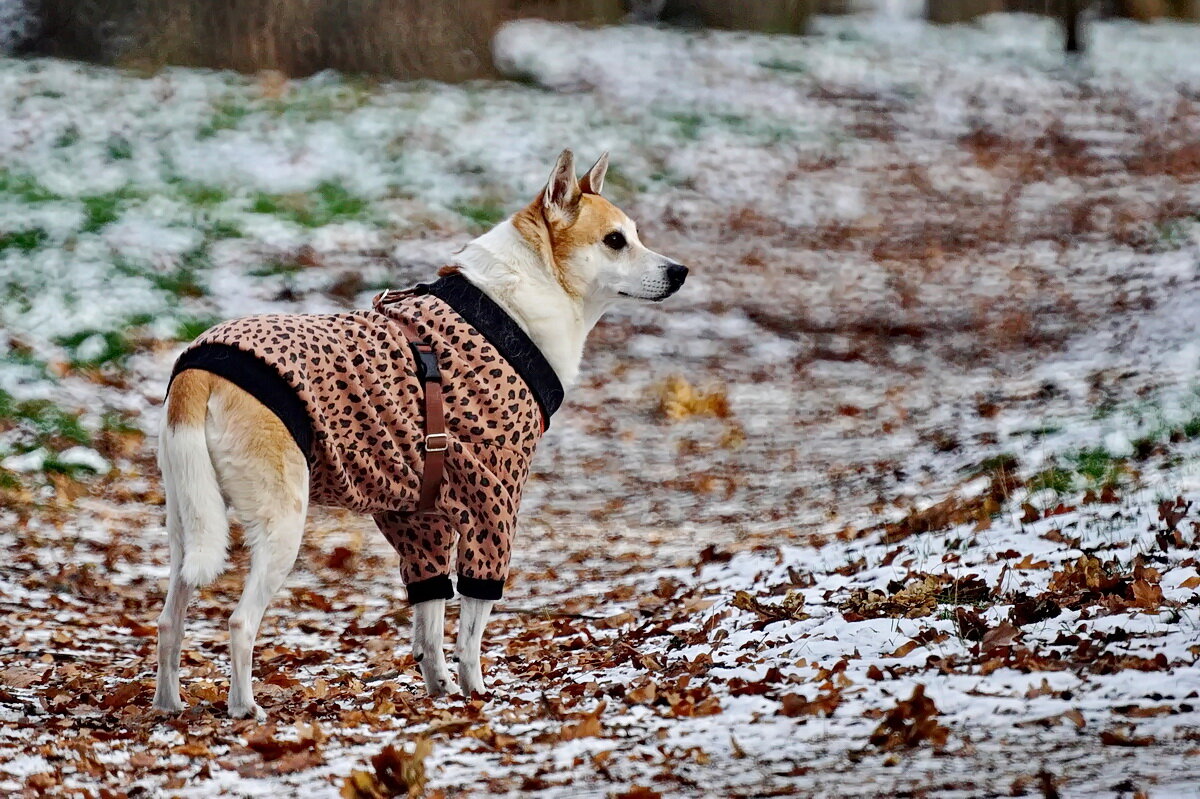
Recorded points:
939,343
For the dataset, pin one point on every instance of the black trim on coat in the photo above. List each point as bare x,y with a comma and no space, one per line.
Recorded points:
258,379
513,343
434,588
475,588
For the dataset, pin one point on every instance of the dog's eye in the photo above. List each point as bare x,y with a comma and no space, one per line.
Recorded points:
616,240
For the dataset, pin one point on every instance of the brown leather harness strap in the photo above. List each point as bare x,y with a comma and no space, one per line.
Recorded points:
436,440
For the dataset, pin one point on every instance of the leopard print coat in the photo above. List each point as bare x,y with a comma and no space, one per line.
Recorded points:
345,386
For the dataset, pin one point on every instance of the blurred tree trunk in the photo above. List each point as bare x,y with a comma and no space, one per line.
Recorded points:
1146,10
571,10
1071,10
770,16
949,11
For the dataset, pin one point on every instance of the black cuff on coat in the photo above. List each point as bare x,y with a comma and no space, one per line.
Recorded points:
434,588
480,589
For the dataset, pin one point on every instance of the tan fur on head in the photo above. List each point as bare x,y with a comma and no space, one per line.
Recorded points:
567,215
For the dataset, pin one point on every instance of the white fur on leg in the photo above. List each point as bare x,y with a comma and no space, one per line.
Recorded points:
170,621
472,619
275,547
429,631
272,504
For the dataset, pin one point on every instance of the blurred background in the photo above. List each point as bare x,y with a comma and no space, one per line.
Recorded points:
447,40
945,271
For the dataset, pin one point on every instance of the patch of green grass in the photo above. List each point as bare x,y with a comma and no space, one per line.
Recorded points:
1003,462
1191,428
101,210
53,465
266,204
119,148
223,229
329,203
276,267
69,137
24,188
689,125
114,422
8,480
23,240
1053,478
226,116
201,194
783,65
43,419
352,93
337,203
483,215
116,347
192,327
183,281
1096,464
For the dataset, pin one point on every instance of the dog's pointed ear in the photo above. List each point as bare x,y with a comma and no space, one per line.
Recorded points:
560,198
593,181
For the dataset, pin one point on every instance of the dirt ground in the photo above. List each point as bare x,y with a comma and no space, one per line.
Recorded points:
883,503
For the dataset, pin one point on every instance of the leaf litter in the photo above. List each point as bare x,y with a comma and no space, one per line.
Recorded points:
823,553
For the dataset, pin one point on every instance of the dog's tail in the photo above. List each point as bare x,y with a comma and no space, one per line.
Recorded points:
190,481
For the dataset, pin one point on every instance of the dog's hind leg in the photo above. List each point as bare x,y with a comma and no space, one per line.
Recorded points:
429,633
472,618
265,476
170,621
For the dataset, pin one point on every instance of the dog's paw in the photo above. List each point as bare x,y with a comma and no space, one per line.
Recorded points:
251,710
441,686
171,706
471,685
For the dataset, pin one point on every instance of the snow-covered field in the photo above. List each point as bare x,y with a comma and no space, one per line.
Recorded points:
940,343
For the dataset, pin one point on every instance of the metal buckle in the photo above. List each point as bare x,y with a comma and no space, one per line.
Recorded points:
426,363
445,442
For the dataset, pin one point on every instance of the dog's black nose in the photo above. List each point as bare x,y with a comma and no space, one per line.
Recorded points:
676,274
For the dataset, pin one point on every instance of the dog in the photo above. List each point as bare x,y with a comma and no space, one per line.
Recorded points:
265,414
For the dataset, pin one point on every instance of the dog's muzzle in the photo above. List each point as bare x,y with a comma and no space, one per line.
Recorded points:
676,274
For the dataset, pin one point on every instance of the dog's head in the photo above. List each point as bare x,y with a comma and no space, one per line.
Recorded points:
591,246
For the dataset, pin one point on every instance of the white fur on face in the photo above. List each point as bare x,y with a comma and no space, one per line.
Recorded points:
639,273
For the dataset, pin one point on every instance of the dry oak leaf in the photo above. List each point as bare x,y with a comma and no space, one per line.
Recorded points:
1147,595
678,399
1003,634
263,741
911,722
588,726
21,676
1123,738
638,792
122,696
1172,512
794,705
396,772
790,609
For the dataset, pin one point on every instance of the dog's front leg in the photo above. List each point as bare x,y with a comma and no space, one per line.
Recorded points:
429,631
472,618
